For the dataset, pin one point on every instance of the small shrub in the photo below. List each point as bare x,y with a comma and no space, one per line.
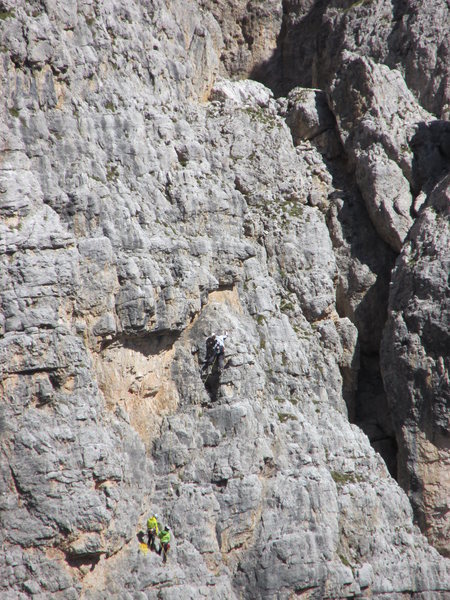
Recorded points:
283,417
6,14
286,306
112,173
344,561
260,319
344,478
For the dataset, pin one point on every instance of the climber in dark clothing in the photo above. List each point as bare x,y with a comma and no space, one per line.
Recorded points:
215,351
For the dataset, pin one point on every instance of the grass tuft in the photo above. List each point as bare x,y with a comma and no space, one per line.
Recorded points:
6,14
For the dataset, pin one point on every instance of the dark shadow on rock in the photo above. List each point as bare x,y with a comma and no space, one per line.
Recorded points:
404,51
83,560
141,537
3,425
397,41
365,248
212,383
431,147
292,64
148,344
372,412
367,405
212,380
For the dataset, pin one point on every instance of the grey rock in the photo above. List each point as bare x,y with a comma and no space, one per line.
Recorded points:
414,362
376,122
247,92
250,31
316,34
310,118
140,217
308,114
365,576
387,196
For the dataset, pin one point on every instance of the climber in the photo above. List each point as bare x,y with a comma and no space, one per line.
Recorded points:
164,538
219,344
215,350
152,531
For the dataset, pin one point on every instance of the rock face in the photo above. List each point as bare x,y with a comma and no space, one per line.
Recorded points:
415,363
250,31
409,36
148,201
377,117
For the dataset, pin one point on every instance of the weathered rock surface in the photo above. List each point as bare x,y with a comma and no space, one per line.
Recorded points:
145,204
377,117
409,36
250,30
415,363
370,56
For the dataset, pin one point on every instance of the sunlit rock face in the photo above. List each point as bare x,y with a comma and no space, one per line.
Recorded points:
153,193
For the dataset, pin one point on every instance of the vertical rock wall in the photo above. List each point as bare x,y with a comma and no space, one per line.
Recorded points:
147,202
415,364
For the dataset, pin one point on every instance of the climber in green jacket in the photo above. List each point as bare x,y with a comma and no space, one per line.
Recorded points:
152,531
164,539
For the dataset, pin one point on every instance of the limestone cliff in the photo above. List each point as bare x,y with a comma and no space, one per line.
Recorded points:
152,192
